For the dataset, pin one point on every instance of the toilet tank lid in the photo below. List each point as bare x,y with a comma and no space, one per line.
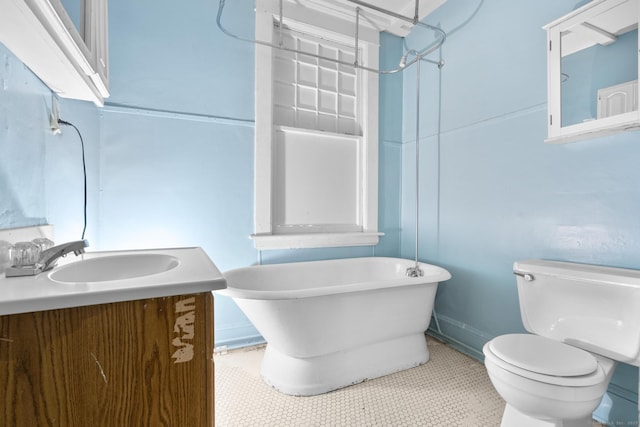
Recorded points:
587,272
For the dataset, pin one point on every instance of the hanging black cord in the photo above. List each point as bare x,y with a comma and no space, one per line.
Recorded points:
84,172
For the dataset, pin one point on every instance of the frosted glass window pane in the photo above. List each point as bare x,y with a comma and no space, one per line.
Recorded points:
284,94
315,181
307,119
328,80
347,84
307,75
309,47
347,106
311,86
284,69
284,116
349,58
307,98
328,52
287,40
327,123
328,102
348,126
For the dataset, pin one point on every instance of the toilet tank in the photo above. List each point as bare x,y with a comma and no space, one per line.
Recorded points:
592,307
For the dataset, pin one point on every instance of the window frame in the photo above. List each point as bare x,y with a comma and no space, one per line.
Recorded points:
335,27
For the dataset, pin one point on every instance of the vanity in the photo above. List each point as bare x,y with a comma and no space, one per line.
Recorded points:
110,339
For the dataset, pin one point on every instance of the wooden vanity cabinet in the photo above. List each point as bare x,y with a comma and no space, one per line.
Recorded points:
134,363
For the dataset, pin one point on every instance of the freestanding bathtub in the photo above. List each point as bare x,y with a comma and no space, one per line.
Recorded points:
330,324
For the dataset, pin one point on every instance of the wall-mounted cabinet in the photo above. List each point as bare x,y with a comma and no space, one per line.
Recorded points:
63,42
593,71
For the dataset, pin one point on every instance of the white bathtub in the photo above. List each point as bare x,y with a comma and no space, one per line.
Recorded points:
330,324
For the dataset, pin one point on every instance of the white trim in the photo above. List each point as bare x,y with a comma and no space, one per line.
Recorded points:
370,135
300,17
264,133
378,20
41,34
314,240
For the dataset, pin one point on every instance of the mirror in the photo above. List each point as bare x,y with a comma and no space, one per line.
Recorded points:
593,70
74,10
599,65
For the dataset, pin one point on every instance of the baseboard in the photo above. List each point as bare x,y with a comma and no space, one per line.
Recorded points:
462,337
234,337
461,347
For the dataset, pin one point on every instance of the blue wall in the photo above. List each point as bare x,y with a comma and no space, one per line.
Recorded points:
492,191
41,179
22,144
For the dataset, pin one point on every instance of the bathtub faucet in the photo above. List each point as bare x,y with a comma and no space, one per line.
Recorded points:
415,272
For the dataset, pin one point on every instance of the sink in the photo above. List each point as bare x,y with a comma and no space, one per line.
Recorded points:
114,267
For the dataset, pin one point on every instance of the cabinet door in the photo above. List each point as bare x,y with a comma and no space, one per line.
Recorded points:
135,363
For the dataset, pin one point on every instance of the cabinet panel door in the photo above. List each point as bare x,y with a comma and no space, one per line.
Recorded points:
135,363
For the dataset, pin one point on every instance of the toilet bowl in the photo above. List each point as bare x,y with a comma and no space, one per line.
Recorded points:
545,382
582,319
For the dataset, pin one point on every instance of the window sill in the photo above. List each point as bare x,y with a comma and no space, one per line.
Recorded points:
315,240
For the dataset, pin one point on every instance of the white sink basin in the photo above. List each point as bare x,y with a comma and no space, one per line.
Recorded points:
104,277
114,267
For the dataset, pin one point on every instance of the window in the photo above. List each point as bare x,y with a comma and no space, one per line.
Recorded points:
316,132
312,93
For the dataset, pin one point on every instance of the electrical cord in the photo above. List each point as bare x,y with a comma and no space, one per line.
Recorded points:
84,172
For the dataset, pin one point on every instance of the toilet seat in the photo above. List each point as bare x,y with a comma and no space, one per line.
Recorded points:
545,360
543,355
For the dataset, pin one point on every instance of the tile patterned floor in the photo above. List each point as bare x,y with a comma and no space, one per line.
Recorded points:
449,390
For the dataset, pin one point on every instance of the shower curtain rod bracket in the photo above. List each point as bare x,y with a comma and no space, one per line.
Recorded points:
415,20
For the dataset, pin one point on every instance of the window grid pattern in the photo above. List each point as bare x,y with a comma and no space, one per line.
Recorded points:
313,93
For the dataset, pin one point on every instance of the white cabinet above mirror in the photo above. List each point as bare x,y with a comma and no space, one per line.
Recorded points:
67,50
593,71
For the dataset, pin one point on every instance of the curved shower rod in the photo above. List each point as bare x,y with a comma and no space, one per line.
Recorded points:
403,62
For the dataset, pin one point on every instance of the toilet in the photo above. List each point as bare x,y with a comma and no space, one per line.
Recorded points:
582,319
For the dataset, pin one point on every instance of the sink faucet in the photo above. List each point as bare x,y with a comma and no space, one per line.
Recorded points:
48,258
51,255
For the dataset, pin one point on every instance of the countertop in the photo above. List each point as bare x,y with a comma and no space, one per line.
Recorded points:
195,273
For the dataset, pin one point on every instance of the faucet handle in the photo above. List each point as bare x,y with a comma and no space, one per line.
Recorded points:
80,249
